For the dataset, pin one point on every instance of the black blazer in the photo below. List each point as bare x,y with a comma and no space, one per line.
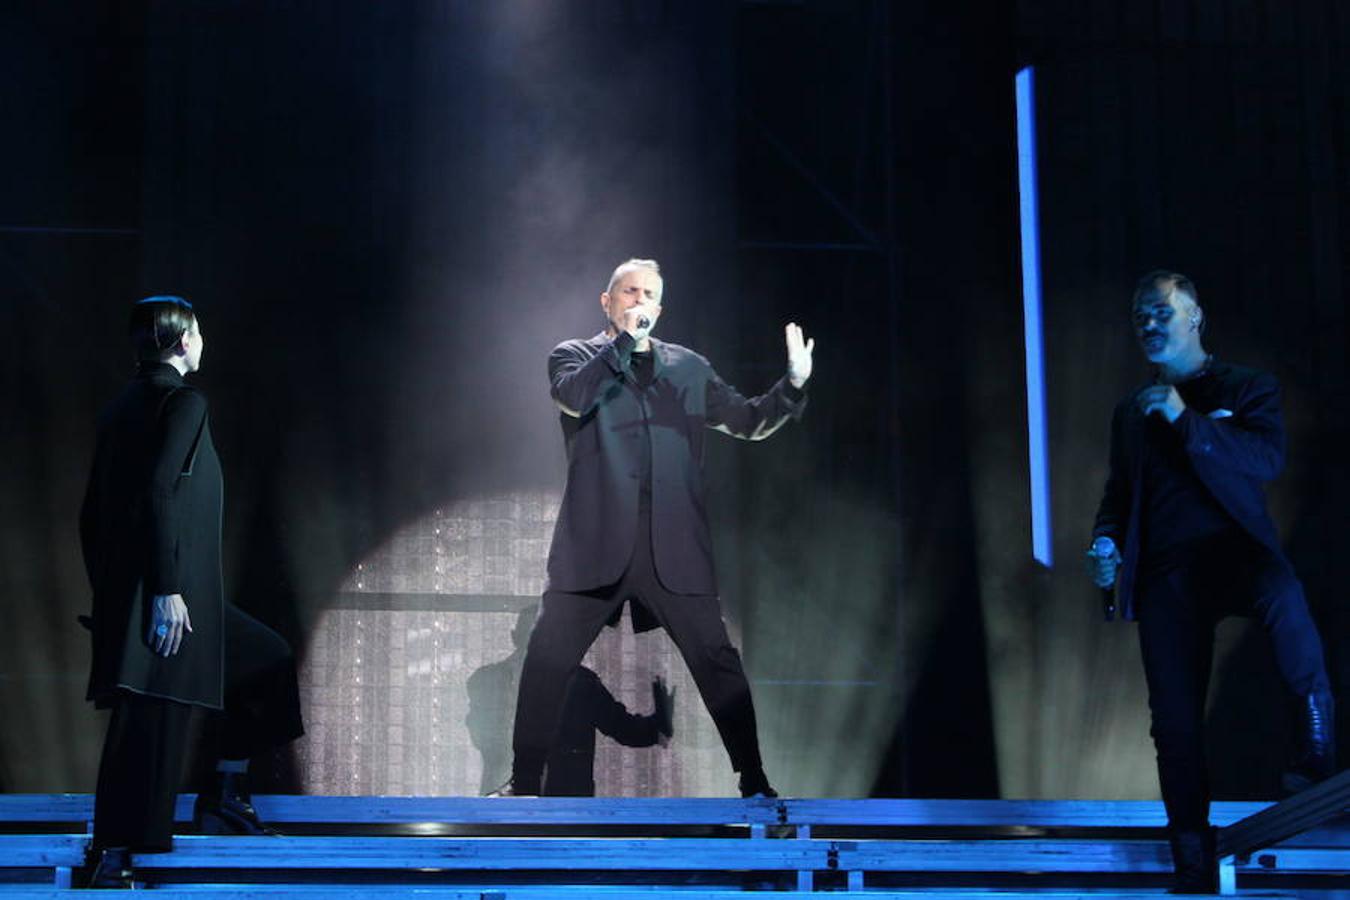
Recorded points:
150,524
603,413
1233,435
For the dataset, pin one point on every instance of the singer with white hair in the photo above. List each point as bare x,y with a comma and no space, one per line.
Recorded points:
632,528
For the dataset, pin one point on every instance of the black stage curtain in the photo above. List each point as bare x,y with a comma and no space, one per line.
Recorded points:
365,198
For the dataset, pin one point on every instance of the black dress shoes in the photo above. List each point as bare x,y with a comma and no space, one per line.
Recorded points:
521,785
108,868
227,808
1194,862
754,783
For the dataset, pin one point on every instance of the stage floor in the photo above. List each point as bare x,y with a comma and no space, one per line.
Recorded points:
616,849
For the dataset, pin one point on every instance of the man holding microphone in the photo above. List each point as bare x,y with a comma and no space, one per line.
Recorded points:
632,529
1183,528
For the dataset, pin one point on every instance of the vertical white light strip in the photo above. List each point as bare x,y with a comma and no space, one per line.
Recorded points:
1041,532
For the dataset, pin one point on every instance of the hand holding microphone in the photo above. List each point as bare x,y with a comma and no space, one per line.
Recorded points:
639,320
1103,562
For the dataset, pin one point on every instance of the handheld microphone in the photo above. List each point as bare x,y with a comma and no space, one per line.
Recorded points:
1109,604
1104,548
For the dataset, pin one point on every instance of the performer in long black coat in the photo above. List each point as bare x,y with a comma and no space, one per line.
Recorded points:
632,526
1190,455
164,639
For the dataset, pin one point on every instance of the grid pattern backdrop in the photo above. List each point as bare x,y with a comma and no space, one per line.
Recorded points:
410,680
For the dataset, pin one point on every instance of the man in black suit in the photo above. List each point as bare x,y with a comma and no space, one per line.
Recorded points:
1183,526
632,526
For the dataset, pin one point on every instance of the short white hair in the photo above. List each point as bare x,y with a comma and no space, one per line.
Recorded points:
632,265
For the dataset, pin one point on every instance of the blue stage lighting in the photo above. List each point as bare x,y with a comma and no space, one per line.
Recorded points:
1041,543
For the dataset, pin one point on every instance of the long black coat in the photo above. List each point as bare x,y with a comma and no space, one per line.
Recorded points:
1233,434
150,524
604,418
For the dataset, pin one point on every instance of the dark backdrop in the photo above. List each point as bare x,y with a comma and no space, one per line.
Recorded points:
388,214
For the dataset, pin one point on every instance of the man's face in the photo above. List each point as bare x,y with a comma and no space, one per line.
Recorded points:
1163,326
639,286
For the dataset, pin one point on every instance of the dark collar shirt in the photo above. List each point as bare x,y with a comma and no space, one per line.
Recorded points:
1169,484
1178,509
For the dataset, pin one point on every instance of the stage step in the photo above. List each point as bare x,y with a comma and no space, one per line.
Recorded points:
513,847
386,892
491,854
285,808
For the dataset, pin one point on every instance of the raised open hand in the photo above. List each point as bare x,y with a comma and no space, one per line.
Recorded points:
799,354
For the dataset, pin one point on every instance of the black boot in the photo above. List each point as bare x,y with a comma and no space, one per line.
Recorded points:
109,867
1315,742
527,780
754,783
1194,863
227,807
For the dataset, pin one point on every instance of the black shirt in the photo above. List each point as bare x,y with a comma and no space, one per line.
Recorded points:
1178,510
643,369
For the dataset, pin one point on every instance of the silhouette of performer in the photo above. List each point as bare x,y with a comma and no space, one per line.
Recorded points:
491,689
589,708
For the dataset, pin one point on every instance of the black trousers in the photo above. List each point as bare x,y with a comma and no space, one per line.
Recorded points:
569,623
1179,604
144,750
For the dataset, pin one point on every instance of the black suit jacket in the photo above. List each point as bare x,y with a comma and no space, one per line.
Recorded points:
603,417
150,524
1232,433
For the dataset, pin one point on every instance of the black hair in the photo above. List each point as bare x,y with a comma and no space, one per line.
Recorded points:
157,325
